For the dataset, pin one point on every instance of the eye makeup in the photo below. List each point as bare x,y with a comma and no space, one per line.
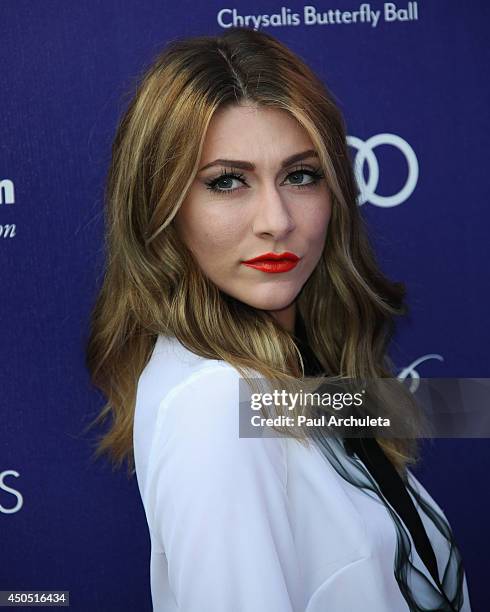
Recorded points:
234,174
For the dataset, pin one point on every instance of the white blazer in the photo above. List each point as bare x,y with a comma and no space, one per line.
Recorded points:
253,524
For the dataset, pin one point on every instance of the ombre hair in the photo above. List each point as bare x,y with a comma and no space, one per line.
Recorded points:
153,285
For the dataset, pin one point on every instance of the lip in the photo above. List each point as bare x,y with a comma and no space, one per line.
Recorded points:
273,263
287,255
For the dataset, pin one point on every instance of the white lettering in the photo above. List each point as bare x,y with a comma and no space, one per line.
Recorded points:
7,195
7,230
14,492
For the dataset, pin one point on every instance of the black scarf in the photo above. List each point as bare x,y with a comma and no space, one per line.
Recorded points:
382,470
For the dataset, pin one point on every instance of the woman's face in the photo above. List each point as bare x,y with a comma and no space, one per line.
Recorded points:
250,198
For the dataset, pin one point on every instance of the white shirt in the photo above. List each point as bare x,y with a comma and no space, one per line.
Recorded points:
253,524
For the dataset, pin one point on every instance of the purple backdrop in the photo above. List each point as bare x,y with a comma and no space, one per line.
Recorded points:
416,86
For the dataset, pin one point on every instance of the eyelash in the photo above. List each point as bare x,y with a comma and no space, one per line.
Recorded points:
234,174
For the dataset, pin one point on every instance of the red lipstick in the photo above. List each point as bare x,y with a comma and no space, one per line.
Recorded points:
273,263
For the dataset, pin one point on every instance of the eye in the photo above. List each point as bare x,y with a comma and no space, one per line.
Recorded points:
298,176
224,182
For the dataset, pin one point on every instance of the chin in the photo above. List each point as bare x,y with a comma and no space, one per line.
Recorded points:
273,303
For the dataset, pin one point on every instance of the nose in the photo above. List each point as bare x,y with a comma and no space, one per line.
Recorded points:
272,217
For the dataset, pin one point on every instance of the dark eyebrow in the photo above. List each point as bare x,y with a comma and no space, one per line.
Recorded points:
244,165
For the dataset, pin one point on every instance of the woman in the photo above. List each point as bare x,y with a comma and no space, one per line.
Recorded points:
235,245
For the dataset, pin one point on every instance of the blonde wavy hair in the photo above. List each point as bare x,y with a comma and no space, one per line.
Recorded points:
152,284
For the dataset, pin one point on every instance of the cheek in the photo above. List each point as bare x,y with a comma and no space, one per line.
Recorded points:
316,223
212,229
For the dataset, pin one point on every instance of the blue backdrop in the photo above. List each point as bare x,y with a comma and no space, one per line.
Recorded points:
410,80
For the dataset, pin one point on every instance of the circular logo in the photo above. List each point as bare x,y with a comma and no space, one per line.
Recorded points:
365,153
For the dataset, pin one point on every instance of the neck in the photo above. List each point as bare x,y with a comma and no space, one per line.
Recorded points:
286,317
